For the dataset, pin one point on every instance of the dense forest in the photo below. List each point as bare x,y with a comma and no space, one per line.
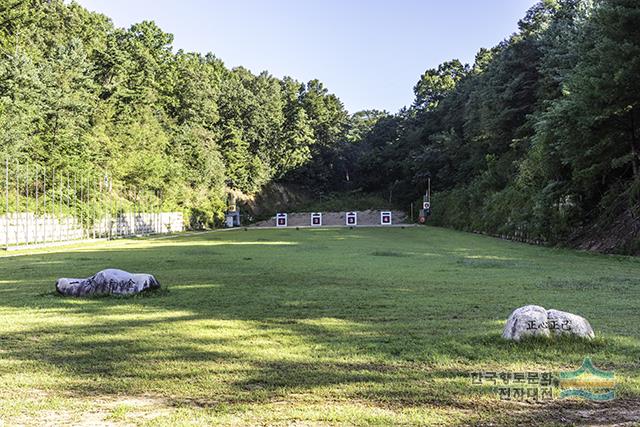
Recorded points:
538,139
78,94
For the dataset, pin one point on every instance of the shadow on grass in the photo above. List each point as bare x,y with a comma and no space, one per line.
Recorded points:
114,365
419,347
147,293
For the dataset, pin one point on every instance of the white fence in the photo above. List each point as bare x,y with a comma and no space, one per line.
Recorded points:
24,228
44,205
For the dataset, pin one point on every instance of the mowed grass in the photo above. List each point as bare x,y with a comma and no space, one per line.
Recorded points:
323,326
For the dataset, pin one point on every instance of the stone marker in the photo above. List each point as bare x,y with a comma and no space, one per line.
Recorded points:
569,323
107,282
533,320
521,318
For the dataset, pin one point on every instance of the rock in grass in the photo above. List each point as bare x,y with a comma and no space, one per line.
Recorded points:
561,322
107,282
533,320
523,321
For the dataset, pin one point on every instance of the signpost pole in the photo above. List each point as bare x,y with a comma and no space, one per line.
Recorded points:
6,193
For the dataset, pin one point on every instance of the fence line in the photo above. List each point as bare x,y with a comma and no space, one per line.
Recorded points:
47,206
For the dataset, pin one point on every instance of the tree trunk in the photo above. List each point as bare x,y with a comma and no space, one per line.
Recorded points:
635,149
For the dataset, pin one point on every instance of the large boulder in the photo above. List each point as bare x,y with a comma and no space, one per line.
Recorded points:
533,320
526,321
107,282
563,323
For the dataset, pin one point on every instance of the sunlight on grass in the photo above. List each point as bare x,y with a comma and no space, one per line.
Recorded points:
499,258
283,326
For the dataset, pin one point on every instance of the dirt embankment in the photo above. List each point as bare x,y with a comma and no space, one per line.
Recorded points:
272,198
368,217
621,235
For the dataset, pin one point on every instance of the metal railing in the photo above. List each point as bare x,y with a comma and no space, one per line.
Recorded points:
45,206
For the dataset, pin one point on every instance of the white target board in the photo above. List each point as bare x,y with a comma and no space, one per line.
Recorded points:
316,219
352,218
281,220
385,218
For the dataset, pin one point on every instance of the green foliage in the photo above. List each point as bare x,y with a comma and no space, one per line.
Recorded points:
435,84
78,95
343,202
535,140
20,85
538,138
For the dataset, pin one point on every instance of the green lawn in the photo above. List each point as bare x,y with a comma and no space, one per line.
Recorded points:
323,326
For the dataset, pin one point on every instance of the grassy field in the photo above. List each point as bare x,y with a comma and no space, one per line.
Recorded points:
323,326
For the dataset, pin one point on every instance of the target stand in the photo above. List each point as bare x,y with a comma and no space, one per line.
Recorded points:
281,220
351,219
385,218
316,219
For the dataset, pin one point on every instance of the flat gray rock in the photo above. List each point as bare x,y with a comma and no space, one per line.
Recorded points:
107,282
533,320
